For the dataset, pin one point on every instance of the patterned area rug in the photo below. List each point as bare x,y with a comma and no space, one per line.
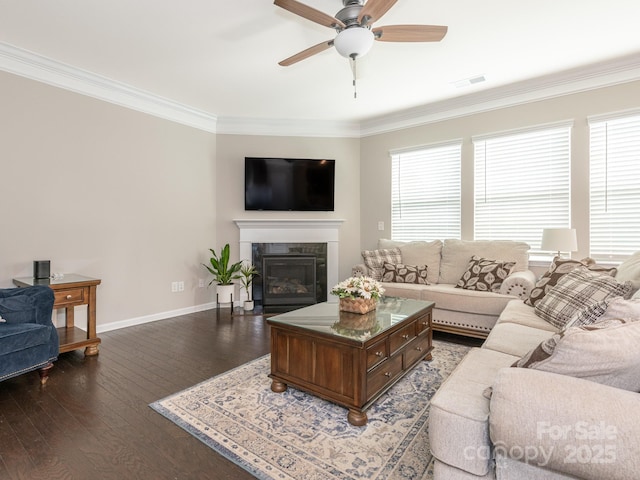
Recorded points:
294,435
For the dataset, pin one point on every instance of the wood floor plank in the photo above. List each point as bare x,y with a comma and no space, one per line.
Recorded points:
93,421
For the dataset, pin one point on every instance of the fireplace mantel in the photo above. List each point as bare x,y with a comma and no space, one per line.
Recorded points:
293,231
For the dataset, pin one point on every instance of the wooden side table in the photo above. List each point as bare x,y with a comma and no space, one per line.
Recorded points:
70,291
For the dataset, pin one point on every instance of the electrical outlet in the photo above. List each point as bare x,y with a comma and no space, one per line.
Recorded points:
201,283
181,286
381,225
174,287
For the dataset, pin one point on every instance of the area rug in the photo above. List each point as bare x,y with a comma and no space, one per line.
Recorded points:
294,435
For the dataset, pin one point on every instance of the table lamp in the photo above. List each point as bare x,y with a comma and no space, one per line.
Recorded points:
559,239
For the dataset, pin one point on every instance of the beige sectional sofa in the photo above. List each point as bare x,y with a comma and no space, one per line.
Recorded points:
457,310
489,420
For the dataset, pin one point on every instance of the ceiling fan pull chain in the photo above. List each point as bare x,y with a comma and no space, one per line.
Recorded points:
353,69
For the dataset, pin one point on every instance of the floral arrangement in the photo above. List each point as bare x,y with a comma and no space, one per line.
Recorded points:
358,287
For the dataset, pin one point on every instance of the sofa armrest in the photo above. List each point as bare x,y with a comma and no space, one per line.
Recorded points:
519,284
360,270
565,424
27,305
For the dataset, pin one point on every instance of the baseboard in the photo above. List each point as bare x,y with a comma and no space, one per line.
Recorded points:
107,327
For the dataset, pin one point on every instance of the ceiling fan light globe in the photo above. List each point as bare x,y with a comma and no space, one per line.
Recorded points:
354,42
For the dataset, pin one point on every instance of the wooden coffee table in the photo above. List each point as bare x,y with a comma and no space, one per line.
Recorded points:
347,358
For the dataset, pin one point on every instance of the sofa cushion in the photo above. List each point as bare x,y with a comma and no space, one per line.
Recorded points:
558,269
484,274
516,311
418,253
456,255
575,290
459,413
448,297
375,259
403,273
20,336
606,352
404,290
515,339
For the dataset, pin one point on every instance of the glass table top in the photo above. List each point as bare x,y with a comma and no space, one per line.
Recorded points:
326,318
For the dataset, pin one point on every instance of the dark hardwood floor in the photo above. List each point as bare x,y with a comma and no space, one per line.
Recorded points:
92,419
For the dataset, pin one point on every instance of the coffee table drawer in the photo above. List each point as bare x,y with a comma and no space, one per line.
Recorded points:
402,337
417,350
376,353
381,376
424,324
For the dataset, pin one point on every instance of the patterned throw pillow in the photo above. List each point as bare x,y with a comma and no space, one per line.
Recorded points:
375,260
558,269
485,275
576,290
401,273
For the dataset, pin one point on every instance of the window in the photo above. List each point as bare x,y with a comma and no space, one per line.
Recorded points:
522,184
614,187
425,193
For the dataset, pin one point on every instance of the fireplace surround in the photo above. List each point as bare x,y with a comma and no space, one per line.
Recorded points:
293,231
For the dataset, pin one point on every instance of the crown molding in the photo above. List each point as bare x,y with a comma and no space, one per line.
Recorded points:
37,67
603,74
287,127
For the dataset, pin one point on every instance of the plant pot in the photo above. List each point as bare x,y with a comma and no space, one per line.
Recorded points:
358,305
225,292
248,305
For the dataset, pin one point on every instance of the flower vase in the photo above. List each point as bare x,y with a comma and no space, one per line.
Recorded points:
358,305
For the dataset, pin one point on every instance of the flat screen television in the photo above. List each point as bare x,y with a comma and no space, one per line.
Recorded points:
296,184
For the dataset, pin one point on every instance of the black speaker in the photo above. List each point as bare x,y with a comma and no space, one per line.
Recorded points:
41,269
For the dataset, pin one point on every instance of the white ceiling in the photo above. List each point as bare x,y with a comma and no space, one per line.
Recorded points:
221,57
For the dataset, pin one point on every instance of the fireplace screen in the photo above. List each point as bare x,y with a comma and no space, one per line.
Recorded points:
288,280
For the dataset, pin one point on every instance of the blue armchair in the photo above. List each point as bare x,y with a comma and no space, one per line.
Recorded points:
28,338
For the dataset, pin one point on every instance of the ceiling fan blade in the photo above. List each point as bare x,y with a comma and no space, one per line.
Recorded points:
410,33
373,10
309,13
321,47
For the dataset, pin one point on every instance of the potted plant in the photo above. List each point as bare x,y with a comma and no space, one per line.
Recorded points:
223,273
247,273
358,294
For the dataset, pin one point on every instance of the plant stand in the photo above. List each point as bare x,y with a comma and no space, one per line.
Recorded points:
218,304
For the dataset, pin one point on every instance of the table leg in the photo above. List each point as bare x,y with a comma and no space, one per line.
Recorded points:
278,387
357,418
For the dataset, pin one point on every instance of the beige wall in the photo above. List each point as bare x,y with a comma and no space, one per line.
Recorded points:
376,162
230,186
105,191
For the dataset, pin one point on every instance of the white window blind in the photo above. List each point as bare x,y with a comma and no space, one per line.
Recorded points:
614,187
425,193
522,184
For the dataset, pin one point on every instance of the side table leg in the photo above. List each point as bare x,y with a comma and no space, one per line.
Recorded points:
91,350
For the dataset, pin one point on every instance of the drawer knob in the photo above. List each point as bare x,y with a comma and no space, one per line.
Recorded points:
69,297
419,349
426,324
406,337
379,354
387,374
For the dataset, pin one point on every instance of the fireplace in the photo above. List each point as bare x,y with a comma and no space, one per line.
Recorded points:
288,280
292,275
316,237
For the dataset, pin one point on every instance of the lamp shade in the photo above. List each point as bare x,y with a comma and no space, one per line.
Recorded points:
559,240
354,42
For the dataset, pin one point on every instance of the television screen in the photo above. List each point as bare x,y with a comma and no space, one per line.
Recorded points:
289,184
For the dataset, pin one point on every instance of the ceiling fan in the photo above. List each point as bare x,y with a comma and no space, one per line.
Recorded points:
353,24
